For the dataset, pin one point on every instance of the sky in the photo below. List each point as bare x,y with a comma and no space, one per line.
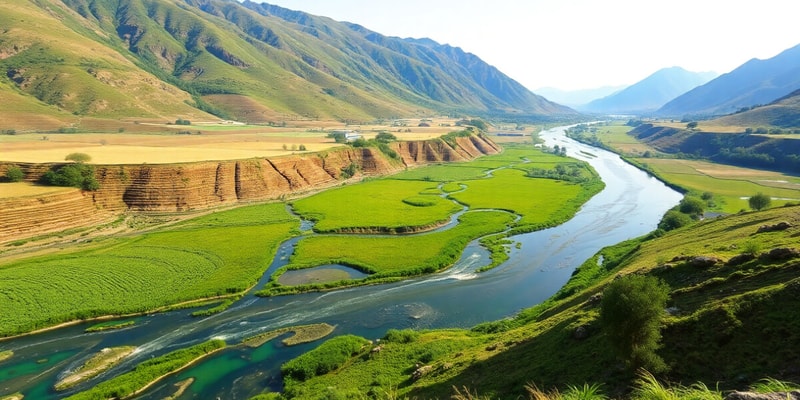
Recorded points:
583,44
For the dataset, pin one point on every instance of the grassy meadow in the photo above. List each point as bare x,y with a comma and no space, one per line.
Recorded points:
725,325
203,257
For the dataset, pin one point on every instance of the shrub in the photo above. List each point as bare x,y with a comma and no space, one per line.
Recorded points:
78,157
15,174
759,201
692,206
674,219
74,175
630,314
327,357
401,336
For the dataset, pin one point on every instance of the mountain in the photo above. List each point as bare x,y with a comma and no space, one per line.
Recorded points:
576,98
249,61
754,82
650,93
781,113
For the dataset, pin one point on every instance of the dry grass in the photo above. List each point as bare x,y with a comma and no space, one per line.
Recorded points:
302,334
207,141
24,189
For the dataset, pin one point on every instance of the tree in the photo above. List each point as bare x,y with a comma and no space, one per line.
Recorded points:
692,125
692,206
630,314
759,201
79,158
674,219
15,174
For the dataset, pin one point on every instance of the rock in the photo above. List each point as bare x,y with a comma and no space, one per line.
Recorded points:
679,258
793,395
780,226
780,254
491,347
580,333
703,261
740,259
673,310
596,298
421,371
376,349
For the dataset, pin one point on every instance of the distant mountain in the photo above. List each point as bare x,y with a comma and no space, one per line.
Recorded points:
782,113
650,93
576,98
755,82
249,61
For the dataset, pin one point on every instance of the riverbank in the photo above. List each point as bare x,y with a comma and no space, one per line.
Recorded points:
100,362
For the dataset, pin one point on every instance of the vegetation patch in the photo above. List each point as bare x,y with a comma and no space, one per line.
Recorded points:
200,258
302,334
374,205
421,201
108,326
5,355
149,372
100,362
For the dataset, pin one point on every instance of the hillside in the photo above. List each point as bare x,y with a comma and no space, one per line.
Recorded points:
779,153
162,59
732,288
782,113
650,93
753,83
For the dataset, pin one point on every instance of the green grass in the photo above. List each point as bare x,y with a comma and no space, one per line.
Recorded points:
731,323
382,205
110,325
127,384
386,257
204,257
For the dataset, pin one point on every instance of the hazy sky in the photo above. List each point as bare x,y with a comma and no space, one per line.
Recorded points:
580,44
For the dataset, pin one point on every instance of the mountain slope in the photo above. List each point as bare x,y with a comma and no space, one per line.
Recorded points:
249,61
783,113
754,82
650,93
576,98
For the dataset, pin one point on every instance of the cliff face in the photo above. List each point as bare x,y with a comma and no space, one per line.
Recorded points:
193,186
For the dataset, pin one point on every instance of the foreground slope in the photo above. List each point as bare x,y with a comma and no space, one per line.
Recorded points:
733,294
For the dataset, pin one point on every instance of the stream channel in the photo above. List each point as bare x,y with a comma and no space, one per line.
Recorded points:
631,205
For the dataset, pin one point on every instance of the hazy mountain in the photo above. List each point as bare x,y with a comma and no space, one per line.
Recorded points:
754,82
650,93
574,98
249,61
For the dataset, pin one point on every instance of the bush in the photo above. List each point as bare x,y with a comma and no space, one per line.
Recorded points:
674,219
15,174
401,336
630,314
325,358
759,201
692,206
78,157
74,175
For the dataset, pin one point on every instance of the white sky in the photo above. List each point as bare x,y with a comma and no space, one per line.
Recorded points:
581,44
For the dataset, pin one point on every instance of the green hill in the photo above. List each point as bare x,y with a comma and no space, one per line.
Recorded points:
248,61
734,292
783,113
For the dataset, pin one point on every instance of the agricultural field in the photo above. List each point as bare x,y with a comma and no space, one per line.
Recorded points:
201,258
382,205
166,143
732,186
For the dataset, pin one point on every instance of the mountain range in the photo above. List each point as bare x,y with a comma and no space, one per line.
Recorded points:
650,93
249,61
755,82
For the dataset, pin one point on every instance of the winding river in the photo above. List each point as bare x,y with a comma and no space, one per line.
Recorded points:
631,205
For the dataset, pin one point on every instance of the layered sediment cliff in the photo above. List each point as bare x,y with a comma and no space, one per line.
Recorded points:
194,186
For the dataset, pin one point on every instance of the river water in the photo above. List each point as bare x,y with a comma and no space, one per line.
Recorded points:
631,205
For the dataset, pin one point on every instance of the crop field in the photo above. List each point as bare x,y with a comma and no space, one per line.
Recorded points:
388,204
443,173
145,272
23,189
732,184
400,255
159,143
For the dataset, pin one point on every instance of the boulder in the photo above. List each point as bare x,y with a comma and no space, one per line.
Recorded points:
740,259
793,395
780,226
421,371
780,254
703,261
580,333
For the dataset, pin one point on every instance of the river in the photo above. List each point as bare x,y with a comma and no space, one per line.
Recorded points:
631,205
